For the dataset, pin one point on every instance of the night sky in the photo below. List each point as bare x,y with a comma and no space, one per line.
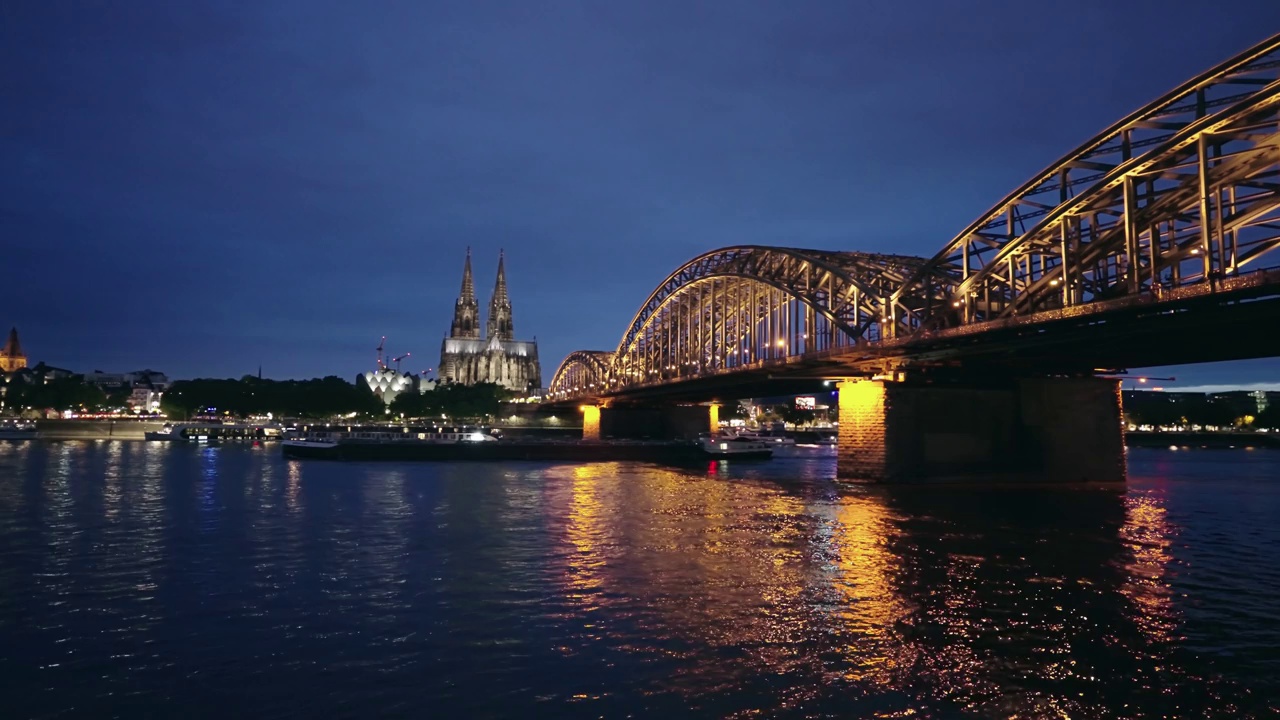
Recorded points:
206,188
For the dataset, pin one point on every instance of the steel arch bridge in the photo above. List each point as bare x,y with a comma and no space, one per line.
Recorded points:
1179,200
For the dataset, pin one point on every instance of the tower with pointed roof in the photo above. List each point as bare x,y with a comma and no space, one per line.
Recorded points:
499,326
466,313
11,357
468,358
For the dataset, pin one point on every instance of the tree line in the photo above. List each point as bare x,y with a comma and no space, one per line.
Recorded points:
454,401
315,398
1205,412
62,393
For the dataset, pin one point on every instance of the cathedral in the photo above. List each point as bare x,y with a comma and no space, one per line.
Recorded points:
11,357
467,357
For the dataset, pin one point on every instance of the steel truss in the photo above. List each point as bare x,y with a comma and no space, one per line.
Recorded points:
737,306
582,372
1184,192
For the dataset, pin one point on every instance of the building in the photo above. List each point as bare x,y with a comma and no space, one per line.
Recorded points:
11,357
387,383
467,357
114,381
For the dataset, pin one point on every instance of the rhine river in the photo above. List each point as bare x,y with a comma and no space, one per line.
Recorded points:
149,580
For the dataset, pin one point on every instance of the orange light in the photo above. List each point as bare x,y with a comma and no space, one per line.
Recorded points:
590,422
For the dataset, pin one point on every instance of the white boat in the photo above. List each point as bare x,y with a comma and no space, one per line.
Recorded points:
14,429
727,446
330,436
775,440
212,432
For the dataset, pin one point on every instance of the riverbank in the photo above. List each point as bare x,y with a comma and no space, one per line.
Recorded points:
97,429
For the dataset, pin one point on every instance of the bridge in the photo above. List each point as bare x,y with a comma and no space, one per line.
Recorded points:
1154,243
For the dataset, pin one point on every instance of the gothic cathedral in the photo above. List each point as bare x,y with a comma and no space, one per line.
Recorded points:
467,357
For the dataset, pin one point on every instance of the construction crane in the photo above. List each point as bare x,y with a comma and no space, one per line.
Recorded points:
380,345
397,360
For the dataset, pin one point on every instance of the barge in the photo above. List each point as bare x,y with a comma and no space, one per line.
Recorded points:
474,444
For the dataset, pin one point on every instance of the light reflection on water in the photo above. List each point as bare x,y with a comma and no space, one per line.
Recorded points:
142,578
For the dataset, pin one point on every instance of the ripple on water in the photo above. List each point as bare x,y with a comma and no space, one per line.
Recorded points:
143,579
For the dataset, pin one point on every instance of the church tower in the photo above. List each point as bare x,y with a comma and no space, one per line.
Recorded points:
500,325
11,357
466,358
466,313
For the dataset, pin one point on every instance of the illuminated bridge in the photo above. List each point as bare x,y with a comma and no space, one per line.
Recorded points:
1153,243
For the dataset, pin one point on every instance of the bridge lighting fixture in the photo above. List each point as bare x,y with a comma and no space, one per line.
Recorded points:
1054,282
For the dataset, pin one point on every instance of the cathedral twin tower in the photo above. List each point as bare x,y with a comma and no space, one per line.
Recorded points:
468,358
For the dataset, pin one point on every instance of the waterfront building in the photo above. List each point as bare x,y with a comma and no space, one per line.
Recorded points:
111,381
387,383
467,357
11,357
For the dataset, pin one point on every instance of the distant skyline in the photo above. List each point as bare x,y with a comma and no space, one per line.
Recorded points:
206,188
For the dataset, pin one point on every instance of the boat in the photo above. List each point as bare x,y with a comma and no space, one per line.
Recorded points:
211,432
444,444
330,437
764,437
823,437
736,446
15,429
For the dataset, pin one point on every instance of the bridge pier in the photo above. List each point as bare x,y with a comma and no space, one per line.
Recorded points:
670,422
1018,429
591,423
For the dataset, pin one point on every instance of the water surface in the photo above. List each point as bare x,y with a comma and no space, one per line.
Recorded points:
145,579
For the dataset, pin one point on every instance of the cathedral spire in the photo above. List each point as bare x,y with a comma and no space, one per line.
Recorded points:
466,313
468,293
13,348
500,325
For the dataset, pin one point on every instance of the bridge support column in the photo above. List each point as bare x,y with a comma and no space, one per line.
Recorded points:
1025,430
591,423
863,439
669,422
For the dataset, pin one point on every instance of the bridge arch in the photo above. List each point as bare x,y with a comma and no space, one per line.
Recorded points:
1180,191
581,372
1172,202
744,305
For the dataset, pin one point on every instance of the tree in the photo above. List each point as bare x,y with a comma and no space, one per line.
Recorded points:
1269,418
316,398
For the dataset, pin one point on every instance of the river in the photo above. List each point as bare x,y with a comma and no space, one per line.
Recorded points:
153,580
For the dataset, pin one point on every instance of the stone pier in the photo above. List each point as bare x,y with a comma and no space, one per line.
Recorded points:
670,422
1022,429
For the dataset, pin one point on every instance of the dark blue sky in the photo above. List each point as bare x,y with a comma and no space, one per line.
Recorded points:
201,188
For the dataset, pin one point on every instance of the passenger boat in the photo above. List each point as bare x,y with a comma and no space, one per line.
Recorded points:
735,446
212,432
15,429
443,444
767,438
330,437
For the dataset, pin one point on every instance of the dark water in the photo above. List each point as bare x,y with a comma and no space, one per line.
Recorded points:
144,580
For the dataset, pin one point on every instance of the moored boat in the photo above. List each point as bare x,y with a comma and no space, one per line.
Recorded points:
736,446
763,437
476,444
211,432
15,429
